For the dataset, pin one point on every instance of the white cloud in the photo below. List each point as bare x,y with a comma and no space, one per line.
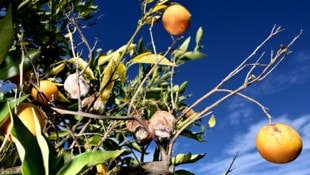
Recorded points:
249,162
239,110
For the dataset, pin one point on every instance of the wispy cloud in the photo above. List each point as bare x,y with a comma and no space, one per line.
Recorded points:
249,162
239,110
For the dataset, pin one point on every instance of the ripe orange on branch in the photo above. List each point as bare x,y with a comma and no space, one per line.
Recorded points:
26,115
49,90
176,19
278,143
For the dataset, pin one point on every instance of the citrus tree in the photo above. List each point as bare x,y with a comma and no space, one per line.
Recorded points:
76,114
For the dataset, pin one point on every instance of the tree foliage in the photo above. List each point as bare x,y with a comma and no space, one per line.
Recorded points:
114,120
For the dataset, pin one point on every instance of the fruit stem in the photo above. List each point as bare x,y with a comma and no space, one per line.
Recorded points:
270,120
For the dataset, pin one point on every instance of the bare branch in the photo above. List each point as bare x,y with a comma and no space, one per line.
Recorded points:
250,79
275,30
264,109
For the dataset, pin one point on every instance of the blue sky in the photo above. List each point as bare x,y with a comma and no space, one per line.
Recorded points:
232,29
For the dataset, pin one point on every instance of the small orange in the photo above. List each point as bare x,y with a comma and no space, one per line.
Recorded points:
176,19
101,169
278,143
25,114
49,89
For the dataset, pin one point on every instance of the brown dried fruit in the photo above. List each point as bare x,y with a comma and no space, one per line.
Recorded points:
71,86
162,124
139,132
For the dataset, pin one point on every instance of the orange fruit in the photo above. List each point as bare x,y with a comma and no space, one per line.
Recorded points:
278,143
176,19
49,89
101,169
26,115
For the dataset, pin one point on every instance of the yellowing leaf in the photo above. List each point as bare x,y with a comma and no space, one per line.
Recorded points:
152,19
106,93
186,158
121,72
159,7
57,69
81,65
109,78
148,1
108,73
116,54
212,121
150,58
62,97
106,58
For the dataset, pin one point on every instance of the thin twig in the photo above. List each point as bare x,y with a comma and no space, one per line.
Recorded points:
230,169
106,134
243,86
81,132
264,109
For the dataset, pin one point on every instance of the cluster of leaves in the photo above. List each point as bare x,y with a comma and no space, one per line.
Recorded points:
78,137
95,128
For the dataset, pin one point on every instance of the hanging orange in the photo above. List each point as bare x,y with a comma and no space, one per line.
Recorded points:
49,89
176,19
278,143
26,115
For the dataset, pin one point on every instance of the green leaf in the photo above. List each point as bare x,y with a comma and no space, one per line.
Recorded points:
2,98
185,44
193,135
4,113
28,148
130,161
94,140
186,158
42,143
55,135
10,67
88,159
134,146
183,87
199,35
183,172
5,108
6,34
183,48
110,144
192,55
150,58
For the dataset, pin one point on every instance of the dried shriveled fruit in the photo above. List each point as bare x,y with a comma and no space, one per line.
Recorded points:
72,84
139,132
162,124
